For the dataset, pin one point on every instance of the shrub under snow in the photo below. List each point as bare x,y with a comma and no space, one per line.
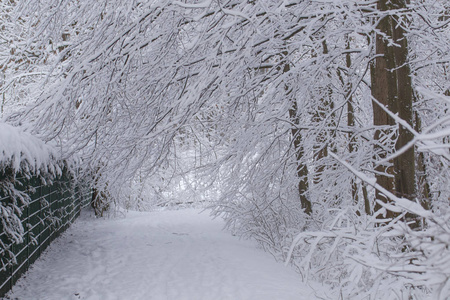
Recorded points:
21,156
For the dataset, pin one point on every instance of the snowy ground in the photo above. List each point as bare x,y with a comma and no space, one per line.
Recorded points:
158,255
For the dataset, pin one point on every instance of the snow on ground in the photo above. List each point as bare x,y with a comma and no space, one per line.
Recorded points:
167,255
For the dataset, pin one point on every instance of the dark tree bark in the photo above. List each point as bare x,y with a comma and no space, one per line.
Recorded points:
391,86
405,184
423,186
350,119
379,82
302,170
323,138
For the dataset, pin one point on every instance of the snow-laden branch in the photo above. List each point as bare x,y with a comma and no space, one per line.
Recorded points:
418,137
204,4
400,204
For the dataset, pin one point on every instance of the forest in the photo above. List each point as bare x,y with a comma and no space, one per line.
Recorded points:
320,129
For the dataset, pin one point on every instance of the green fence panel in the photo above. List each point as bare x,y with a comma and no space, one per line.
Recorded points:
51,209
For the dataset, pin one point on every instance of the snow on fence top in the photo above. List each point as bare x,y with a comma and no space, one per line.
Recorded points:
21,151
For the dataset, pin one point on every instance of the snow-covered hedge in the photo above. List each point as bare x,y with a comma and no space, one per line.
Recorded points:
21,156
21,151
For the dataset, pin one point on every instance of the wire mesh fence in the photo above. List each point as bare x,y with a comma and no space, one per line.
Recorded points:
50,211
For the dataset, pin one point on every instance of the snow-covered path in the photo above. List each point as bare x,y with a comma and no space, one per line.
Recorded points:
172,255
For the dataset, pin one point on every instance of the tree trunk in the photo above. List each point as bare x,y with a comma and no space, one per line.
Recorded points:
326,106
405,184
302,170
351,120
391,86
379,82
423,193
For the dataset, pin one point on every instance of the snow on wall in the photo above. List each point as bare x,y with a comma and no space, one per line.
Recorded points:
19,149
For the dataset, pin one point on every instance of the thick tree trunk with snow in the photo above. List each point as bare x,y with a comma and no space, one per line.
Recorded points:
405,167
379,81
391,86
